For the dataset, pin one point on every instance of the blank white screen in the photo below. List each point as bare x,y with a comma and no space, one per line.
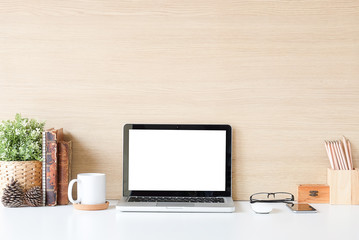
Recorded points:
177,160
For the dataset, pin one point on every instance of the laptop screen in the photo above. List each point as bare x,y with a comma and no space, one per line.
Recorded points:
177,159
188,160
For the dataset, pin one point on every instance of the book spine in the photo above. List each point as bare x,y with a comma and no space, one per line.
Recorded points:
43,168
51,168
64,168
70,163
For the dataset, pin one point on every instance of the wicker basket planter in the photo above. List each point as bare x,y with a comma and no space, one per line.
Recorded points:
28,173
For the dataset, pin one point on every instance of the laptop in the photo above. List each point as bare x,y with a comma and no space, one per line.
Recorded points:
177,168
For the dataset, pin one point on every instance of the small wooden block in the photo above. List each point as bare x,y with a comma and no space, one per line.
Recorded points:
344,186
313,193
93,207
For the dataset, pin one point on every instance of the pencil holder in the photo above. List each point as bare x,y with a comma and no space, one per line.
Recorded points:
344,186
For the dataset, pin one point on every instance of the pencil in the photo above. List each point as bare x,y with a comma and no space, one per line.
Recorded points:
336,150
342,155
345,144
350,154
335,160
329,155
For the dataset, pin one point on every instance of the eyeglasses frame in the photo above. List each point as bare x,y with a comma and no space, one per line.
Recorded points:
286,200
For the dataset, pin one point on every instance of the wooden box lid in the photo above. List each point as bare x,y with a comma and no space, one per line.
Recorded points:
313,193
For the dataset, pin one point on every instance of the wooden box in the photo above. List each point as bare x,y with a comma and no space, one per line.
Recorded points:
313,193
344,186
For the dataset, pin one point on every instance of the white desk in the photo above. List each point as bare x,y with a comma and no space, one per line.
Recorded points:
64,222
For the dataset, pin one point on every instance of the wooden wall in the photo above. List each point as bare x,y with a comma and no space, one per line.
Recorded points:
284,74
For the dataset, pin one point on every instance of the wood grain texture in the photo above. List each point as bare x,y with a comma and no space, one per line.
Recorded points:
284,74
313,193
343,186
355,187
92,207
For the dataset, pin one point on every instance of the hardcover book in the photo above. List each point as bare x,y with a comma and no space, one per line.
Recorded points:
52,137
64,171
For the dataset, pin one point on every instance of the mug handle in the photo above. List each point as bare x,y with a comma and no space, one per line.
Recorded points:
69,192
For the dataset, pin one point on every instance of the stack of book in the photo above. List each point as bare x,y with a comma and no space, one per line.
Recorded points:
56,168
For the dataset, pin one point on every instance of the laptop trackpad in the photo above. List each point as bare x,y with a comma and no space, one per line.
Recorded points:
175,204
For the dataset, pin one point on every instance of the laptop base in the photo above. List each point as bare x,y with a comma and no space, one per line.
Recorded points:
125,206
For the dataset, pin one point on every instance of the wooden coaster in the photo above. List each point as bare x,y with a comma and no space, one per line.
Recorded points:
93,207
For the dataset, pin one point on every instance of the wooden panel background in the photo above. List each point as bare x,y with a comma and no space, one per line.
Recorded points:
284,74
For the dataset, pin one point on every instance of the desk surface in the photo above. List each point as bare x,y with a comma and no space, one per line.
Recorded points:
64,222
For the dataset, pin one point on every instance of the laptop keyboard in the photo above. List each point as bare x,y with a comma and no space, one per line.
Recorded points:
177,199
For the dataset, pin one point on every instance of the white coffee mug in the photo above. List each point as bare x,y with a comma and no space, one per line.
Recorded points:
91,188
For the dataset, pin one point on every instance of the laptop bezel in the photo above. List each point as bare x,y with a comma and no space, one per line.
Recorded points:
228,174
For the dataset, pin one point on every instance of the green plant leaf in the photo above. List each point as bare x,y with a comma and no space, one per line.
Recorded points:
21,139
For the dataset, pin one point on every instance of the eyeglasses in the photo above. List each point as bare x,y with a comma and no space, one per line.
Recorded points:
275,197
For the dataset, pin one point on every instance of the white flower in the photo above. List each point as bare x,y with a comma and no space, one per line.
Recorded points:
24,123
17,132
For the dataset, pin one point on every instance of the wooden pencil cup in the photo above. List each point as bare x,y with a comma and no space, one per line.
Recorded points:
344,186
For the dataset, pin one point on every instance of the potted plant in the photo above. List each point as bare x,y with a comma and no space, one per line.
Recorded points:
21,152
